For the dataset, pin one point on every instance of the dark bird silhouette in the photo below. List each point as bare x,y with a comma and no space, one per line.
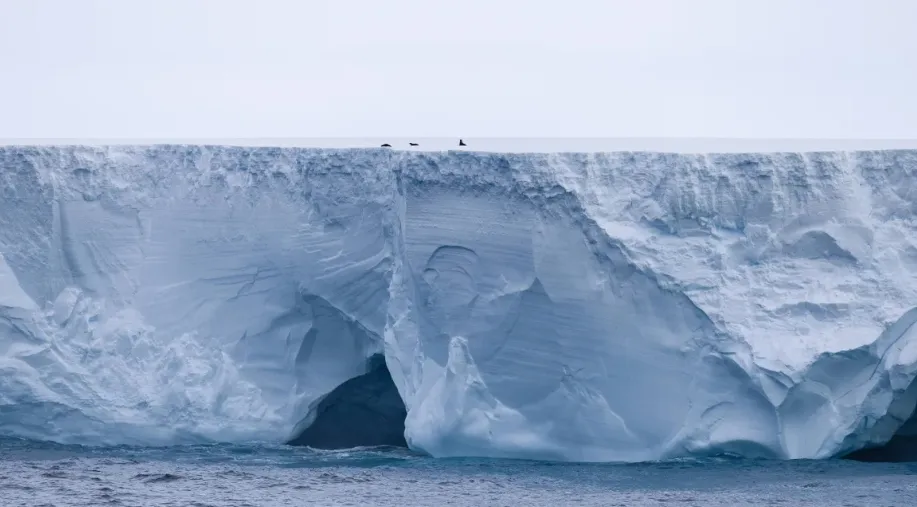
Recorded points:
386,145
413,144
462,143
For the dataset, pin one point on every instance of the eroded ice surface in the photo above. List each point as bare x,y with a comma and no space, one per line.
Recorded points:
621,306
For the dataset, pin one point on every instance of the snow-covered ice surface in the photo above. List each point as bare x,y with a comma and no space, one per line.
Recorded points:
591,307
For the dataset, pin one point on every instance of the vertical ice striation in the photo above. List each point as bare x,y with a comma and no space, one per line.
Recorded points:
619,306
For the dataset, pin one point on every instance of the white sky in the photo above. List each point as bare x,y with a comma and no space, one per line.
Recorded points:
474,68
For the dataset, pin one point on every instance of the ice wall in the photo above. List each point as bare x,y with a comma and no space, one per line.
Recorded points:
620,306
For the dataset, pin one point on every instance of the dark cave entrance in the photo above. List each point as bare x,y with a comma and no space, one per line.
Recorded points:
900,449
364,411
903,445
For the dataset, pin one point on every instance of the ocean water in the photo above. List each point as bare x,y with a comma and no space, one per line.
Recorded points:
43,474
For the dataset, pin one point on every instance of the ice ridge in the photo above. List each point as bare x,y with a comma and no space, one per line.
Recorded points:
577,306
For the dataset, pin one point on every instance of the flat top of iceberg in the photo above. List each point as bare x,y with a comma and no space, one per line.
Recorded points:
515,145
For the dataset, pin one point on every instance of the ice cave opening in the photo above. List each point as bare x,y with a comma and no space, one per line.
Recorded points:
363,411
901,448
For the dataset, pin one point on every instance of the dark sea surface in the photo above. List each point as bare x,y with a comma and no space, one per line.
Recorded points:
35,473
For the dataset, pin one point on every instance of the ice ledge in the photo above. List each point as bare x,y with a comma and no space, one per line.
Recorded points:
511,145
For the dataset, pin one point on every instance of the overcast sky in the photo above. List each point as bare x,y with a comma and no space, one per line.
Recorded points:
476,68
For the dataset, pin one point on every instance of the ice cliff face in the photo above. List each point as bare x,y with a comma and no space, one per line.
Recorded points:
623,306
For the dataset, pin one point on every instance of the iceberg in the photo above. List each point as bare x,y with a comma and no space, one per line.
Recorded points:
621,306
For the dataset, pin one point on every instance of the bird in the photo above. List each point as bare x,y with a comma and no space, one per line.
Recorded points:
386,145
462,143
413,144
